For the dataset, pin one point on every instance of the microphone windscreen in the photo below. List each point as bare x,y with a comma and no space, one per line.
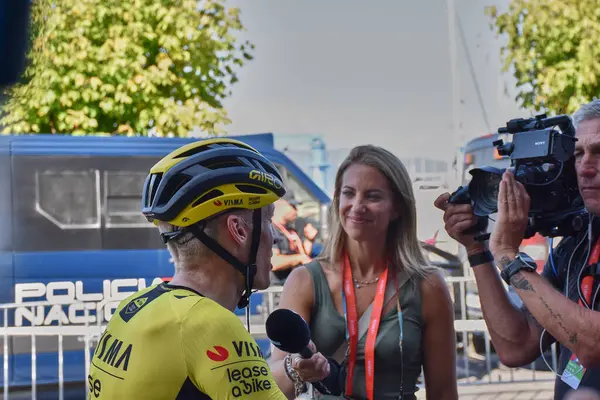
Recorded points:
287,330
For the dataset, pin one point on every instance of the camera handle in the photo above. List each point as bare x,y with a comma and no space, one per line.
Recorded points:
461,196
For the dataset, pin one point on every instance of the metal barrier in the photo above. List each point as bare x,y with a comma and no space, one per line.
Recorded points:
472,368
86,333
471,375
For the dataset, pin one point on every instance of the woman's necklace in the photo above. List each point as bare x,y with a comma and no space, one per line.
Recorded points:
358,283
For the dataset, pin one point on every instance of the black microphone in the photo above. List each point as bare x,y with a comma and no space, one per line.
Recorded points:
289,332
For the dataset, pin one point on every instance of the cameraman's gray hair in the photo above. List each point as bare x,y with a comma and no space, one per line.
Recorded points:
587,111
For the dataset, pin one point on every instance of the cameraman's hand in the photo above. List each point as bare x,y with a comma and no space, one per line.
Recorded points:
311,369
512,217
457,219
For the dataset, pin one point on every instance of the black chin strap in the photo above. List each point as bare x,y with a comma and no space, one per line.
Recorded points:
248,270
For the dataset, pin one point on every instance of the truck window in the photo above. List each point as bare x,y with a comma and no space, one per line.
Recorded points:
123,199
68,199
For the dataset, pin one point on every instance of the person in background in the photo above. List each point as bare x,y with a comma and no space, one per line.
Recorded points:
373,272
177,340
560,304
307,231
289,250
311,232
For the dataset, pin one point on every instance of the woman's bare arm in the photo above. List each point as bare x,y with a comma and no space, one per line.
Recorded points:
439,339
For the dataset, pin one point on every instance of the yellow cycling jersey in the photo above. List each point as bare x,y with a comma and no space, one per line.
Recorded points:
170,342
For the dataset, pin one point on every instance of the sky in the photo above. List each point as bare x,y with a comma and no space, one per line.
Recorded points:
379,74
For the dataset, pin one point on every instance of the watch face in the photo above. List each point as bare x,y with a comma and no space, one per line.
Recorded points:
526,259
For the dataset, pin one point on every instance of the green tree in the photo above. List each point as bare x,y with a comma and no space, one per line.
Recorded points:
127,66
553,51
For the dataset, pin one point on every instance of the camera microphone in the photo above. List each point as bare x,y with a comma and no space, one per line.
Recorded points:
288,331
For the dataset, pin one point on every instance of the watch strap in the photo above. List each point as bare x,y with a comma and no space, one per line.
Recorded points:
515,266
480,258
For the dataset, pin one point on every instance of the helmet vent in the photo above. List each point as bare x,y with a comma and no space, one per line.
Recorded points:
268,168
172,187
208,196
251,189
213,146
226,162
154,182
193,151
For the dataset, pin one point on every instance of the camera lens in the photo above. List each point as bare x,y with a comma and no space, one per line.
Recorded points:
483,189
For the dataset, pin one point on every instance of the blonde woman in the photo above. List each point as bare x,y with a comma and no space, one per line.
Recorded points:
372,298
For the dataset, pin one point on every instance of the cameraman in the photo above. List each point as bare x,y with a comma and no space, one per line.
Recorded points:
552,308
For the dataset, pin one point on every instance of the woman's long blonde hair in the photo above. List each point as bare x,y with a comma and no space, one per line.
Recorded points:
402,245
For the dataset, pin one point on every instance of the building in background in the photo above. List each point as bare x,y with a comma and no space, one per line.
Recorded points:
311,154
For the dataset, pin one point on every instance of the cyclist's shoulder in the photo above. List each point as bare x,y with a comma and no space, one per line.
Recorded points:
183,307
210,315
163,301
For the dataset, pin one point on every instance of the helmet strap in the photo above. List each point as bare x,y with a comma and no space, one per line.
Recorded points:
248,270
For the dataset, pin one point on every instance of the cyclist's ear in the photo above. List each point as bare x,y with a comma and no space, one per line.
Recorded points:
238,228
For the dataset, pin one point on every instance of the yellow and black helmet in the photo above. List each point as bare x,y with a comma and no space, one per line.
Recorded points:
206,178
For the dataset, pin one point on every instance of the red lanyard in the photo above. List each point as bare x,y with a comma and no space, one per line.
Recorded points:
587,283
351,317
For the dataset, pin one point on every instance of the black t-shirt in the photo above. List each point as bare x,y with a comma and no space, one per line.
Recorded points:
557,276
284,246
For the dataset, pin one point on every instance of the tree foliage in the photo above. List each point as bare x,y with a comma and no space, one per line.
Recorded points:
553,51
126,67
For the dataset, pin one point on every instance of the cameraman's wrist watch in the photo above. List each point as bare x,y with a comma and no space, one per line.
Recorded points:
522,262
480,258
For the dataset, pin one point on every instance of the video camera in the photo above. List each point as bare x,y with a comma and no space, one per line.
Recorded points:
542,159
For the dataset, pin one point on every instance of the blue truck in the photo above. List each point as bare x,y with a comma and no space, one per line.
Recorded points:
73,240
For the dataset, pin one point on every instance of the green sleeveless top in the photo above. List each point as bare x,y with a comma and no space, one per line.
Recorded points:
328,332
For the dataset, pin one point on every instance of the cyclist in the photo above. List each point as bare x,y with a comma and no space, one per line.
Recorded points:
212,203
